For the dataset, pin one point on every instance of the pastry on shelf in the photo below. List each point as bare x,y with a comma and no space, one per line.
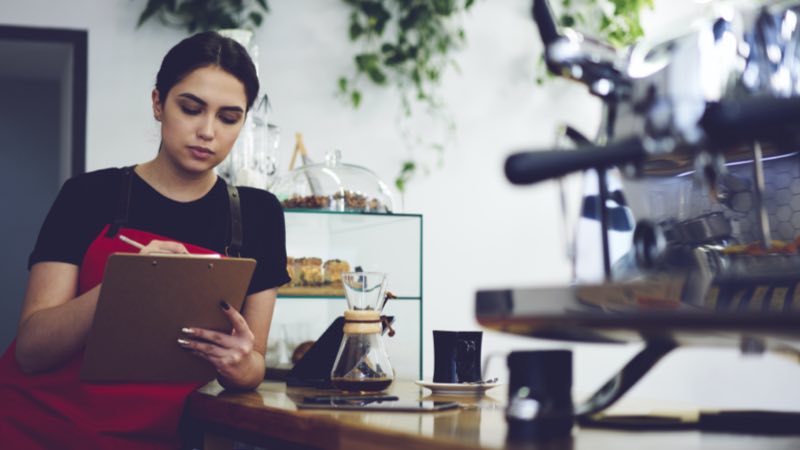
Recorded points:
295,279
333,269
309,270
309,202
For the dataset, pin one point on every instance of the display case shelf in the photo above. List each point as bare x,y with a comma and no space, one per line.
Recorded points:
390,243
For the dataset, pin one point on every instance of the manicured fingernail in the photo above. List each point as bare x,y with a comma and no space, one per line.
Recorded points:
187,330
224,305
183,342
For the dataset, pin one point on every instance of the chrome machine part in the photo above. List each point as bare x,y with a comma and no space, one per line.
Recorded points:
761,208
667,93
724,93
740,52
649,243
572,55
709,119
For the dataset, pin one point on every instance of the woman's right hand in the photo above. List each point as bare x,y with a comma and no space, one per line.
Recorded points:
156,246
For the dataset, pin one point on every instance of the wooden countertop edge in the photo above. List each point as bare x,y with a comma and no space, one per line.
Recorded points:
309,428
263,421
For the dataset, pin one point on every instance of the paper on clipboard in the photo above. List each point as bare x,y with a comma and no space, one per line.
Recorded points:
144,302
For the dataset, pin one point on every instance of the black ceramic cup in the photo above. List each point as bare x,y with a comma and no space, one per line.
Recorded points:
456,356
539,394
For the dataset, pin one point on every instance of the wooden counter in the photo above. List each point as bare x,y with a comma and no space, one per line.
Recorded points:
269,418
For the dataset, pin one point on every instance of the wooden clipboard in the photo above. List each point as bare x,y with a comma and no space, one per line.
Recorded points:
144,302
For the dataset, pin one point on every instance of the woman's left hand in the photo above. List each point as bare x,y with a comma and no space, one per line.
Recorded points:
229,353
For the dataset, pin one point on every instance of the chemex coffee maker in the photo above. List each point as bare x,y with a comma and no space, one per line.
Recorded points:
696,202
350,355
362,364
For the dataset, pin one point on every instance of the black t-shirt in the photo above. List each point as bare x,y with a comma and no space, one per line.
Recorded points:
89,202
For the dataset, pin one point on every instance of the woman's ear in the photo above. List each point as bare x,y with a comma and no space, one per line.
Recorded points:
157,107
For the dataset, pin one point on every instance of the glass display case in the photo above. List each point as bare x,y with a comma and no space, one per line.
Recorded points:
334,186
322,244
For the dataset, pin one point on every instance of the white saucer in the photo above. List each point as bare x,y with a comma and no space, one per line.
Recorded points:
456,388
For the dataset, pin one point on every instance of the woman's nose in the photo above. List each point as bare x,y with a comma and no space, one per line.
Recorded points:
205,130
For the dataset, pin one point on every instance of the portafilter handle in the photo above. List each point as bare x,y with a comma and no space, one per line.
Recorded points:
732,122
725,123
533,166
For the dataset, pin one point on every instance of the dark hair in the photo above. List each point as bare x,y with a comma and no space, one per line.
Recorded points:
207,49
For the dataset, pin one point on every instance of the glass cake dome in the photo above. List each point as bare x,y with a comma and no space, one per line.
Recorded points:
334,186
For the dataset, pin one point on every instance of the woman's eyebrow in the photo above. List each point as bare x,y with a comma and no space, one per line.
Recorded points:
199,100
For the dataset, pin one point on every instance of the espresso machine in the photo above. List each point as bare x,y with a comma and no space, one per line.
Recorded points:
697,165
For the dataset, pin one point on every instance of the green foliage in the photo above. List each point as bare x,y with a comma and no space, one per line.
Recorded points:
407,44
204,15
621,28
408,170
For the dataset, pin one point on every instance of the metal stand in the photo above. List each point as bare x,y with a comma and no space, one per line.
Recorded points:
739,421
602,199
623,380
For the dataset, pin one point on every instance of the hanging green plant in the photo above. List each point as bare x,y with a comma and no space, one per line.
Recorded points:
406,44
205,15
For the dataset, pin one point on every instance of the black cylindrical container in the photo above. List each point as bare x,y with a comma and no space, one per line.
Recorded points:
456,356
539,394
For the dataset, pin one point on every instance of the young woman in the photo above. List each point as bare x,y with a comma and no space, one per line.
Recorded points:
174,203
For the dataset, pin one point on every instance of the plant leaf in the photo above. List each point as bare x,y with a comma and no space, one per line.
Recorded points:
256,19
365,61
566,20
263,4
377,15
355,97
376,75
416,15
444,7
226,21
207,14
408,166
395,59
151,8
342,85
356,30
407,171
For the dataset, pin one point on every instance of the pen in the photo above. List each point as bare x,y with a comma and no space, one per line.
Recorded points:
130,241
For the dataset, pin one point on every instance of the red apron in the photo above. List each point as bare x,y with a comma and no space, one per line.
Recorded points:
57,410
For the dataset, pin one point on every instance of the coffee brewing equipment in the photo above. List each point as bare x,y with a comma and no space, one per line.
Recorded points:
697,166
362,363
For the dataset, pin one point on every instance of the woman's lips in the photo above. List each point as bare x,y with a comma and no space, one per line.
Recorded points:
200,152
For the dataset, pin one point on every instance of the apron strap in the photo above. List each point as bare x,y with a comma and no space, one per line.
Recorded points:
121,216
234,246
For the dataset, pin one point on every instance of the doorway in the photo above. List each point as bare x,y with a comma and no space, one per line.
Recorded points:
43,88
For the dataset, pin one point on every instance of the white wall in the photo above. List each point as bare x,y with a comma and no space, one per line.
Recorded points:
479,231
